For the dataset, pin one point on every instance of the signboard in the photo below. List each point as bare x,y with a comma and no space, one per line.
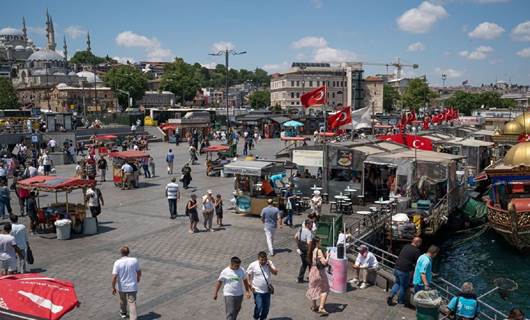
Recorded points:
34,138
472,121
344,158
243,171
309,158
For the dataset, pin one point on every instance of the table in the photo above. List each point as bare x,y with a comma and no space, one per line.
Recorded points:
340,200
351,191
368,214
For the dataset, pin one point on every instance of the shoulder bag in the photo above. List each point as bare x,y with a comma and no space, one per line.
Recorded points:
29,255
270,288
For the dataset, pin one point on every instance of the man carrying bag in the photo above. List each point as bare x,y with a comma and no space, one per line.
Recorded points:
303,238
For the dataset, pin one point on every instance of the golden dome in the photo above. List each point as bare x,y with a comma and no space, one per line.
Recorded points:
513,127
518,155
524,120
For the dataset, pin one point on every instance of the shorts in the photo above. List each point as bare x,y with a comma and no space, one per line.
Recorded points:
219,213
9,264
194,216
47,168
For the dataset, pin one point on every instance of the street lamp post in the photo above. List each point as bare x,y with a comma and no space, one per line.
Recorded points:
444,77
226,53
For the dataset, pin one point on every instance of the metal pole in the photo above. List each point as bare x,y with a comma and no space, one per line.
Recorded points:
95,91
227,109
84,104
372,119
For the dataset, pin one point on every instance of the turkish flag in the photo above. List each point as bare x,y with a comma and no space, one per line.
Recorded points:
339,118
418,142
397,138
426,121
315,97
36,296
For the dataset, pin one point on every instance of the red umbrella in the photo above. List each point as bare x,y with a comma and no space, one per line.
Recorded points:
106,137
34,296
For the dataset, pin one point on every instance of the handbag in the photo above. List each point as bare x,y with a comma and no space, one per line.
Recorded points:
29,256
319,263
270,288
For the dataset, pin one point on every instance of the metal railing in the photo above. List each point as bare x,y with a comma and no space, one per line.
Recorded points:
446,289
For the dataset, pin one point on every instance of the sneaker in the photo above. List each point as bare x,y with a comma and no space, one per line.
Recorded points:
363,285
123,315
354,281
389,301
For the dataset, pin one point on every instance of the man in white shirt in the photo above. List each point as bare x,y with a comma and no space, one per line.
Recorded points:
173,195
20,233
46,163
52,144
365,264
8,251
259,274
126,275
127,177
233,278
95,200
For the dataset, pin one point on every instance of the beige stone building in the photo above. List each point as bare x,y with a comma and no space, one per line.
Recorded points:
64,98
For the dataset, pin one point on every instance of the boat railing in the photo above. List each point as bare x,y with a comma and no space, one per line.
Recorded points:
445,288
367,225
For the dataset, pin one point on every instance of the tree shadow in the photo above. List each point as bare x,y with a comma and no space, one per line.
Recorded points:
150,316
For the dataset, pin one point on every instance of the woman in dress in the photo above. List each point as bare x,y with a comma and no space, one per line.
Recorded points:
219,209
191,212
318,280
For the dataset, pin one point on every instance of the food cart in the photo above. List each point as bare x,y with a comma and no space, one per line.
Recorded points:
255,183
105,143
131,157
214,166
46,216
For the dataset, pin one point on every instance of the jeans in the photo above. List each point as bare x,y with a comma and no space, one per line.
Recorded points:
172,207
5,203
269,235
400,286
233,306
304,266
262,305
22,265
147,174
289,218
128,298
103,174
208,219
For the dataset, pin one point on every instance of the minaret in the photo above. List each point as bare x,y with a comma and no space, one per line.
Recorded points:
65,51
24,30
50,32
88,48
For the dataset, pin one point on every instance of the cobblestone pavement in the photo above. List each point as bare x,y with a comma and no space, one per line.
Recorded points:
179,269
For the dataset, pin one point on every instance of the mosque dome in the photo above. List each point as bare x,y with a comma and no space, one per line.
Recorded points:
89,76
45,55
20,48
11,32
513,127
524,120
518,155
62,86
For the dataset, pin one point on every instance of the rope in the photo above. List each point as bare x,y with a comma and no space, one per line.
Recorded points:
476,235
471,229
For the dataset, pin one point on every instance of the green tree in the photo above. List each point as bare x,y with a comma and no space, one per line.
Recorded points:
126,78
463,101
87,57
8,95
390,98
417,94
182,79
260,99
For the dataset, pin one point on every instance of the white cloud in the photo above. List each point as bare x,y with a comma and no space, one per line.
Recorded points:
524,53
75,32
449,72
310,42
222,46
123,60
275,67
160,54
480,53
131,39
416,46
333,55
209,65
422,18
522,31
486,31
37,30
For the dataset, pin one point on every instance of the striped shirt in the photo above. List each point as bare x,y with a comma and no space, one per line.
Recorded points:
172,190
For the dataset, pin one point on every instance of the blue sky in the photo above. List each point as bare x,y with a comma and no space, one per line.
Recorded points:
475,40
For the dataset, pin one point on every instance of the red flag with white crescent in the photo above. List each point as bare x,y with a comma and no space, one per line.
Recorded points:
315,97
339,118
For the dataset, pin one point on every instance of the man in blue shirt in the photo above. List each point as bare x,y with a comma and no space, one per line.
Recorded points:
464,305
423,272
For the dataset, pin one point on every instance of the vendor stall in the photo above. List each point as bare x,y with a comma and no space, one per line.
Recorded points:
105,143
215,166
131,157
58,210
255,182
292,128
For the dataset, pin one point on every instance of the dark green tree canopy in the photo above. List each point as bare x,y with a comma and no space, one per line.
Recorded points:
390,98
8,95
260,99
417,95
466,102
126,78
88,58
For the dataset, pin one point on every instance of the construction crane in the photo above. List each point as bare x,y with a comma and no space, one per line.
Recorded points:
398,65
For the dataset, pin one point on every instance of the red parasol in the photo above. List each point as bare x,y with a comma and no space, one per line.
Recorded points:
130,154
34,296
106,137
54,183
327,134
215,148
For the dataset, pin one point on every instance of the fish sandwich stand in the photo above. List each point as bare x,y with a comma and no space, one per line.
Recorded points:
57,211
255,183
133,158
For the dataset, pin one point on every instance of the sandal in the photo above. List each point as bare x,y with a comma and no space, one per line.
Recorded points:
323,312
314,308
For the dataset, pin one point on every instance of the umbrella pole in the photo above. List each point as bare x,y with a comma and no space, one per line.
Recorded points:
66,195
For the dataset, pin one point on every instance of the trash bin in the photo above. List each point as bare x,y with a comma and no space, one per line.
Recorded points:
427,304
90,226
337,272
63,228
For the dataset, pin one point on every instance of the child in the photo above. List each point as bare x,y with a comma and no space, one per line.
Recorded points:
219,209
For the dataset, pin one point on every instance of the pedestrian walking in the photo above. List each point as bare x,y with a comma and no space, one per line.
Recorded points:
173,195
170,157
270,217
318,280
177,137
95,200
52,144
126,275
193,155
8,251
102,166
31,210
289,199
259,274
47,163
145,167
5,200
402,270
208,206
316,203
219,209
186,176
191,212
152,166
127,172
303,238
423,272
20,233
463,306
233,279
90,167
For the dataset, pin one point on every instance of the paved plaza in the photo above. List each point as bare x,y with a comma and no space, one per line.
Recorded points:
180,269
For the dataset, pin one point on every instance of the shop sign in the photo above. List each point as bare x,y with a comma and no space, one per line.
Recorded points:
310,158
344,158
